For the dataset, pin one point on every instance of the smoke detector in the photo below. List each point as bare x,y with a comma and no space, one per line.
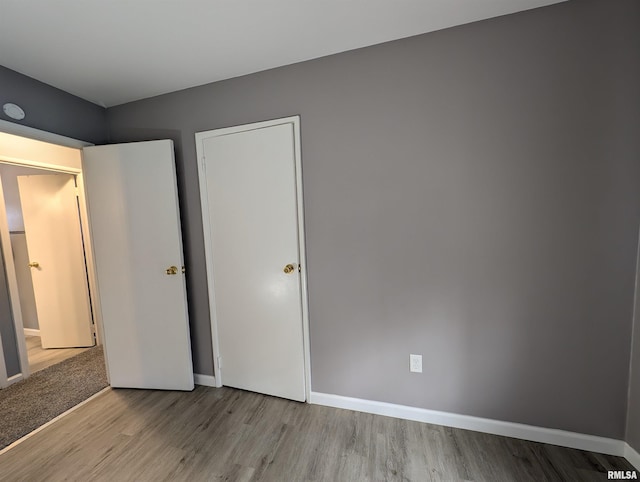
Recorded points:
14,111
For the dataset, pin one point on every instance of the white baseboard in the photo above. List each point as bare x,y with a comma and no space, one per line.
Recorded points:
563,438
31,332
204,380
15,379
632,456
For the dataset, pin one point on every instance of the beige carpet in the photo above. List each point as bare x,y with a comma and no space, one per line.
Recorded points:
28,404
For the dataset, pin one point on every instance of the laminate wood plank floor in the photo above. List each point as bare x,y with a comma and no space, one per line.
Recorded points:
39,358
226,434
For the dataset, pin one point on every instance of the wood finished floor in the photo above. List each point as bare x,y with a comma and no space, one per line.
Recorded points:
226,434
39,358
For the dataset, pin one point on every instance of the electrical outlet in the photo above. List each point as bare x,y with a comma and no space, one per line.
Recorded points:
415,363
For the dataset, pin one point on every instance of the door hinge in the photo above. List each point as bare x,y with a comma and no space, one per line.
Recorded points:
77,191
220,362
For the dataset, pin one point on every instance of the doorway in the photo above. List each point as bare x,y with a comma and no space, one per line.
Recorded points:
32,399
47,247
131,191
20,156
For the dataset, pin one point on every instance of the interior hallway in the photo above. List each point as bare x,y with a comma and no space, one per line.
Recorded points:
39,358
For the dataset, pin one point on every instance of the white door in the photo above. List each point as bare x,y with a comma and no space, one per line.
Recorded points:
250,182
135,228
56,253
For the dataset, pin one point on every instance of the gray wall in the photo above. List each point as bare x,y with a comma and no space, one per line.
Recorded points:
51,109
633,420
7,329
471,195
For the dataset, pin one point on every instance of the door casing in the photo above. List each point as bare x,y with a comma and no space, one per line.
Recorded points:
295,121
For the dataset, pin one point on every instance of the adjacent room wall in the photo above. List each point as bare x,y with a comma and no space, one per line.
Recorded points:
7,329
52,110
471,195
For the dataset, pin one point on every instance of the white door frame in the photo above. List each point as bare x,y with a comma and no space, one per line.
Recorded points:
206,224
30,133
16,312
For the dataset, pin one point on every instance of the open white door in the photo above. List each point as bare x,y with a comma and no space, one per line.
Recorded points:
135,229
54,241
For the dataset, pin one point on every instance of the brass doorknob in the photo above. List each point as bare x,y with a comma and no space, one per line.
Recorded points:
288,269
172,270
34,264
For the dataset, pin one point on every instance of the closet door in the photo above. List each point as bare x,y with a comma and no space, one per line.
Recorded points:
251,211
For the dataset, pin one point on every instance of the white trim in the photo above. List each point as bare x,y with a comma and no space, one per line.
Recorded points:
562,438
31,332
4,381
92,276
304,293
54,420
206,224
18,377
206,228
634,333
204,380
37,134
632,456
14,161
14,297
15,378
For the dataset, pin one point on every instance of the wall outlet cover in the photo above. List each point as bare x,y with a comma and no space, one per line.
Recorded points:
415,363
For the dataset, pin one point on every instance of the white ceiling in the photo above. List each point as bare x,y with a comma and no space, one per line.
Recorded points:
115,51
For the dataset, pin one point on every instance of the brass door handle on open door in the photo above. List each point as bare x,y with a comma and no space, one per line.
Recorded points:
34,264
290,268
172,270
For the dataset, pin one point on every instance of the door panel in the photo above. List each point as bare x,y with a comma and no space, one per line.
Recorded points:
251,189
54,242
135,228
